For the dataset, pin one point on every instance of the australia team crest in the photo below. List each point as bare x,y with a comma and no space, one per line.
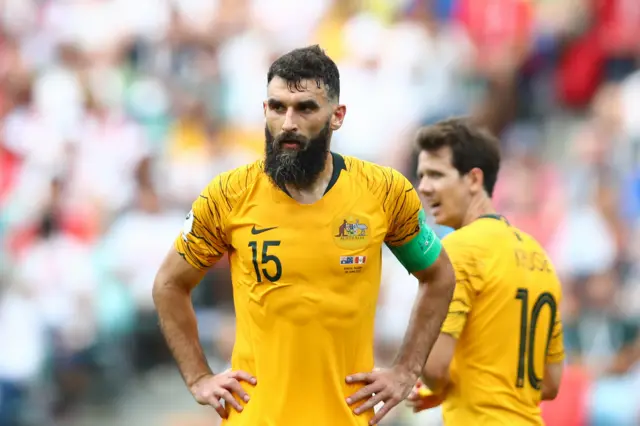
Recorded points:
351,232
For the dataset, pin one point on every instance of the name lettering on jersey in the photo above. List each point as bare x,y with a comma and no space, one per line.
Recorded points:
532,261
351,232
352,264
188,225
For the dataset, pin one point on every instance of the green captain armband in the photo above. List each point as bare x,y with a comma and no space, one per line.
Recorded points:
423,249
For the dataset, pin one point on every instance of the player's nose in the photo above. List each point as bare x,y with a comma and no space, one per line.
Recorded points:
425,187
289,124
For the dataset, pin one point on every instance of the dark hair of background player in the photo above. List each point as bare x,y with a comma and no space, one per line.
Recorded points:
307,63
471,147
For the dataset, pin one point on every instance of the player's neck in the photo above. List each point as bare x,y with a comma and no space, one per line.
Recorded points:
317,190
479,207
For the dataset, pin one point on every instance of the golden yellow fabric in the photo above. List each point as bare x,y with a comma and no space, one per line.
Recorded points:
305,282
505,315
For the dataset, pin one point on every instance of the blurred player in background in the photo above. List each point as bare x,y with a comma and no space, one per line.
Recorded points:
303,230
500,351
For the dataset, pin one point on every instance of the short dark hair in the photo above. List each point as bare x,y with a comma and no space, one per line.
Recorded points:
471,146
307,63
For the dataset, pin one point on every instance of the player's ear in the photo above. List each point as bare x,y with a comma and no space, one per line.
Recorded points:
337,117
264,107
476,180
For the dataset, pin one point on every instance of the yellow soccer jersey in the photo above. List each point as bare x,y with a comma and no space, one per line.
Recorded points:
505,315
305,282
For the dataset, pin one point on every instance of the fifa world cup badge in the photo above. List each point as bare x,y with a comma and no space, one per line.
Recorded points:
188,225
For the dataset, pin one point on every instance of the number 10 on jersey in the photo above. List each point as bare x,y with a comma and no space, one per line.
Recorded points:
528,327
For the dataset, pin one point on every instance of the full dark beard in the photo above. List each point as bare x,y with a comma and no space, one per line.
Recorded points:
298,168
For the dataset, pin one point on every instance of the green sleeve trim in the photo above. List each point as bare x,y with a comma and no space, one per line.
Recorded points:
423,249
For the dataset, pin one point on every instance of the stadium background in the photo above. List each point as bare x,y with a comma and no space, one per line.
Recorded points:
115,113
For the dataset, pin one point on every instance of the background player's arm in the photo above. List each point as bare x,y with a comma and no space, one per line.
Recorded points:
417,247
551,381
199,246
436,371
554,363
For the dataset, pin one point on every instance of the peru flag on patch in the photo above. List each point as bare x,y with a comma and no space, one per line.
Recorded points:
359,260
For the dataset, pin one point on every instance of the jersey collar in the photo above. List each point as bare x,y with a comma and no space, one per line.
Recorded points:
338,166
495,216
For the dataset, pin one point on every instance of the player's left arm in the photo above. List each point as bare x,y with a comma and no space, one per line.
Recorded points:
554,361
418,248
420,251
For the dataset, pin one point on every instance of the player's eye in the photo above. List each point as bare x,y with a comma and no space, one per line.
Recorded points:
307,107
277,107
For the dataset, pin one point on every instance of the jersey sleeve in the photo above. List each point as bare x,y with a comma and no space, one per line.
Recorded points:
408,237
203,241
468,283
555,353
403,206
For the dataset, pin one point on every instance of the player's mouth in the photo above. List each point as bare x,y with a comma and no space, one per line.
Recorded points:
434,208
289,144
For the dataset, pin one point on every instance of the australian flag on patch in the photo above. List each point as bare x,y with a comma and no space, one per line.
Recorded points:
346,260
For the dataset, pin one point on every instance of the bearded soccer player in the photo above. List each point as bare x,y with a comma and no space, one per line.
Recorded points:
500,350
304,230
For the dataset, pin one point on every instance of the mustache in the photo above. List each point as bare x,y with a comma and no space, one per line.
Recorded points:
291,137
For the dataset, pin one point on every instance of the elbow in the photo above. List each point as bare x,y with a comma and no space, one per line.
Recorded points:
436,370
436,376
163,288
551,381
158,290
550,393
174,281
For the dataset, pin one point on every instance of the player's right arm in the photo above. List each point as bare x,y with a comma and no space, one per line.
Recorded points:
172,296
435,374
201,243
419,250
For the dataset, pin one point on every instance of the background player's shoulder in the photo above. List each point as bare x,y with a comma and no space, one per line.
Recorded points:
465,243
470,236
528,241
532,244
489,233
233,184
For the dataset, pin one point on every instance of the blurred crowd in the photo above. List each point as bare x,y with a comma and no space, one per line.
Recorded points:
114,114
